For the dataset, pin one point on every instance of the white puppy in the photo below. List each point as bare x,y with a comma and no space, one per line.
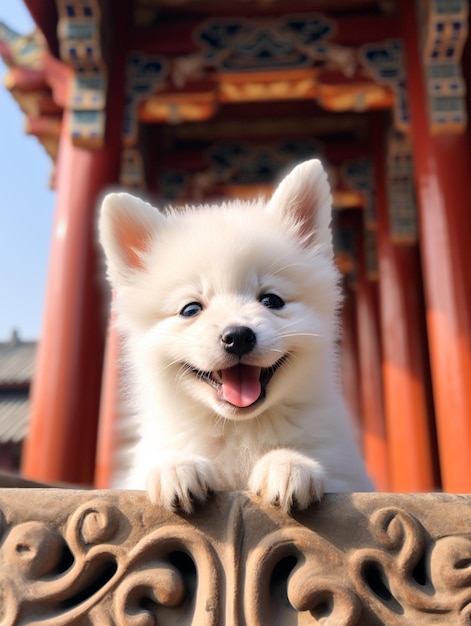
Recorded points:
229,317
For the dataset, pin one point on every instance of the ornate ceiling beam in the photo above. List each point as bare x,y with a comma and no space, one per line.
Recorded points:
175,37
236,60
245,169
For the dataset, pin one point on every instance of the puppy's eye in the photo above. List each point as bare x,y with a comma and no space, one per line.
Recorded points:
192,309
272,301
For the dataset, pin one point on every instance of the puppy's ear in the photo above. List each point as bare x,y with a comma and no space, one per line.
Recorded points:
304,194
126,228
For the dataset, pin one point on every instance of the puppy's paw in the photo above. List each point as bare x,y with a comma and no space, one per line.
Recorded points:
287,479
178,482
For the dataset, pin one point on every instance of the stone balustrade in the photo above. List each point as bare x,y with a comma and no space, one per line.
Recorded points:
70,557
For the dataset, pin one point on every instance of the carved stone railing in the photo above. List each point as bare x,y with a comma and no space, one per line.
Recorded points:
111,558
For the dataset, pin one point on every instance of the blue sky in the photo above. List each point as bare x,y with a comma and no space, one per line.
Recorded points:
26,208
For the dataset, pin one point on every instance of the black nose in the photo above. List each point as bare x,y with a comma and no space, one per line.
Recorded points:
238,339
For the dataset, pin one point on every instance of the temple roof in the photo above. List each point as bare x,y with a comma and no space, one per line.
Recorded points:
221,97
17,359
16,362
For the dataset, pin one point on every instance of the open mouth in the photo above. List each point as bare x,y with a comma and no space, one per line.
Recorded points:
240,385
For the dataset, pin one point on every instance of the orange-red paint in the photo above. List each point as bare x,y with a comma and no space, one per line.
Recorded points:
443,166
375,442
66,393
61,441
407,404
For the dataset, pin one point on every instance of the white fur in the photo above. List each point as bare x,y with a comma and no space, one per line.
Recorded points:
295,441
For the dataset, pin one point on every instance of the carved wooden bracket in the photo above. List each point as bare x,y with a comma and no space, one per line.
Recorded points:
110,557
444,31
81,47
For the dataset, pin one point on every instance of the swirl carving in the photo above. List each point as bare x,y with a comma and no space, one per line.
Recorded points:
112,558
85,569
410,575
293,570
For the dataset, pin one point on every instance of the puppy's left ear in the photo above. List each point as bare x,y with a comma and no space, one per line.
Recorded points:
126,228
304,194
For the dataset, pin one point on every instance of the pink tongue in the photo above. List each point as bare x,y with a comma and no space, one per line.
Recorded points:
241,385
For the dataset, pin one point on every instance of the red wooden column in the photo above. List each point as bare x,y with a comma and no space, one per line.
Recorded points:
369,356
443,166
407,404
61,441
67,385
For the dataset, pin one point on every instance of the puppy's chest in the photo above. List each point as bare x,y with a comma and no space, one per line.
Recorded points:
234,458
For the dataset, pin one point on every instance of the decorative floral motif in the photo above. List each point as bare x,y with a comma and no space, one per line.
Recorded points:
70,557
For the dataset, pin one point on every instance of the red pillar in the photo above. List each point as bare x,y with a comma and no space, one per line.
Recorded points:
374,433
66,391
62,435
408,408
443,167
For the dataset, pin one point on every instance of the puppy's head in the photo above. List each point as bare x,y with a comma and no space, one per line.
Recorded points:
233,305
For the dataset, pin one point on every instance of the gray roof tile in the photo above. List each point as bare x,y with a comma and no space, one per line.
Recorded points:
17,359
14,416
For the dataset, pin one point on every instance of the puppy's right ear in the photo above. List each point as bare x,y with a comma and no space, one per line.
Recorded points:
305,195
126,229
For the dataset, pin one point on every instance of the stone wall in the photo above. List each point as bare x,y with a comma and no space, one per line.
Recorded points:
111,558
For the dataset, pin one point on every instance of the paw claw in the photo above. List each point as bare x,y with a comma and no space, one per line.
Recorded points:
287,479
179,484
